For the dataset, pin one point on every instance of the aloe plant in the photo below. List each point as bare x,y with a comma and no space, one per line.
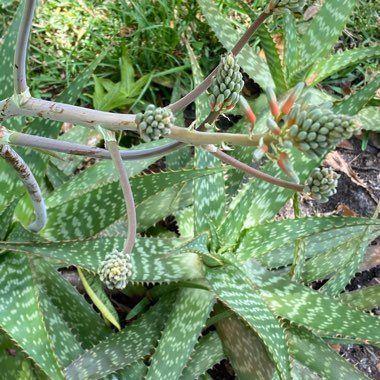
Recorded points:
231,266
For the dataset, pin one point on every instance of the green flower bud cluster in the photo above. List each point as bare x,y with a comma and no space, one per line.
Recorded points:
154,122
321,184
226,85
318,130
115,270
295,6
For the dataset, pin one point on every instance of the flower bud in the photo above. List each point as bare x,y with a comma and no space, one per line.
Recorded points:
321,184
115,270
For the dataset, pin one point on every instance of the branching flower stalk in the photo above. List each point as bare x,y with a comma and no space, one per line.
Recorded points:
30,183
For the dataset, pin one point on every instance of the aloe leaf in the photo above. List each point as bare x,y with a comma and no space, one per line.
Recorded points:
86,212
337,62
6,217
323,243
325,29
240,295
370,117
273,59
122,349
252,64
136,371
290,45
363,299
28,316
207,353
186,320
277,234
152,259
353,104
245,350
79,315
185,222
209,197
95,291
309,308
311,351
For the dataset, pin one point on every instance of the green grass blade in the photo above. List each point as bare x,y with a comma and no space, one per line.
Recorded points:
309,308
209,199
354,103
122,349
277,234
240,295
95,291
363,299
311,351
337,62
191,309
325,29
252,64
207,353
245,350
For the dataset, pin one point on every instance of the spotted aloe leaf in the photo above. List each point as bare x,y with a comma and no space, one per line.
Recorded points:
337,62
76,211
312,352
245,350
331,19
186,320
30,317
290,45
6,217
306,307
369,116
153,260
208,191
244,298
207,353
95,291
252,64
354,103
278,234
124,348
363,299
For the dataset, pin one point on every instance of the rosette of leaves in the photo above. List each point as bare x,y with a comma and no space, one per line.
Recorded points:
115,270
226,85
322,184
154,123
317,130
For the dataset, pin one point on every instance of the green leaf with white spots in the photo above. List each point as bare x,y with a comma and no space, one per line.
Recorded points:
337,62
252,64
340,257
354,103
370,117
363,299
186,320
135,341
207,353
209,196
245,350
325,29
318,312
136,371
290,44
89,211
312,352
273,59
262,239
240,294
28,316
95,291
6,217
78,314
185,222
153,260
